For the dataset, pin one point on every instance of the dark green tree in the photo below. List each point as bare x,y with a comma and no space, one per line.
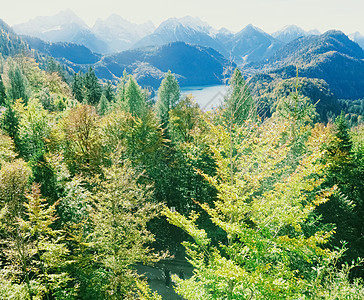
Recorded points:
18,88
109,92
92,87
9,121
345,209
168,97
2,92
77,87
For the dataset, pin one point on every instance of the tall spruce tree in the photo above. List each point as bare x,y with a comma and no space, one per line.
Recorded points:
18,88
2,92
93,89
77,87
168,97
109,92
134,99
239,103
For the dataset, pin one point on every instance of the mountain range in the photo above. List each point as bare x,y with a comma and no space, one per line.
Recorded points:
116,34
331,56
196,52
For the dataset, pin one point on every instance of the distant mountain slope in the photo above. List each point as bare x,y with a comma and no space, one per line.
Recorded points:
291,32
119,33
187,29
74,53
251,45
331,56
10,42
269,90
193,65
357,38
62,27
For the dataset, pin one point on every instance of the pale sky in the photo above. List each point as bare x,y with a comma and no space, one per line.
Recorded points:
269,15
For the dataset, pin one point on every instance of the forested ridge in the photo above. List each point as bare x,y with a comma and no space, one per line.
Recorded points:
97,179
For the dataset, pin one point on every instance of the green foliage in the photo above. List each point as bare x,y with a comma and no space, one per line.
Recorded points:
134,99
18,84
92,88
183,119
108,91
119,210
80,141
77,87
33,130
168,97
35,250
261,207
248,193
9,121
344,211
2,92
7,149
103,106
239,104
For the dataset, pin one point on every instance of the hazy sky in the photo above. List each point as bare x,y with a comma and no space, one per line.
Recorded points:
269,15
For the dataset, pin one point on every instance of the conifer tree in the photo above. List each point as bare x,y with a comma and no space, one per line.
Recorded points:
120,88
93,89
168,97
18,88
9,121
77,87
103,106
2,92
239,104
109,92
134,99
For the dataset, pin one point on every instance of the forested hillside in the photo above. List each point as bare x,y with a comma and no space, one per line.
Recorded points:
331,56
97,180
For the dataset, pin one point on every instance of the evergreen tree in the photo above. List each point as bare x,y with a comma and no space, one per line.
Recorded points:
92,87
77,87
103,106
134,99
9,121
18,88
120,88
344,211
239,104
109,92
2,92
168,97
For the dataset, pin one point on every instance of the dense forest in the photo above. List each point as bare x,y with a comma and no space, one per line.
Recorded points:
97,179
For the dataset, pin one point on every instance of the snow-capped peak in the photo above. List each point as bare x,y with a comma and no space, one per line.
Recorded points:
194,23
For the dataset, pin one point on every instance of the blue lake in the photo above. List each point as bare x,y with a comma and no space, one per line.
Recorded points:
207,97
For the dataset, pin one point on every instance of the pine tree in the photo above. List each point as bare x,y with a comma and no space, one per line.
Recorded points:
18,88
103,106
239,104
120,88
9,121
93,89
109,92
134,99
77,87
2,92
168,97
